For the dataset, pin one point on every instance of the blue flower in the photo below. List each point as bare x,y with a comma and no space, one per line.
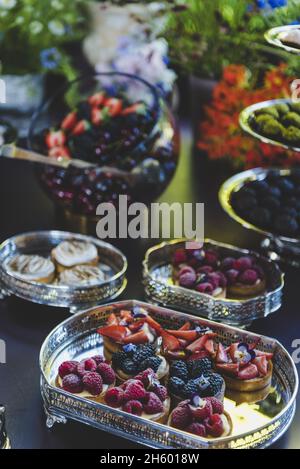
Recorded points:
129,348
139,312
244,354
50,58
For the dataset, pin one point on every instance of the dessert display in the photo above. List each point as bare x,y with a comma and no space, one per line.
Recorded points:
81,275
32,268
90,379
205,418
69,254
271,203
143,396
205,271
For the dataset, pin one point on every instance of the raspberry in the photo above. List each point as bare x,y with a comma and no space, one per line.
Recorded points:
214,425
197,429
133,407
85,366
98,359
107,373
181,417
201,409
134,391
153,404
248,277
186,269
73,384
227,263
114,397
205,287
67,368
161,392
211,258
232,276
145,376
188,279
205,269
93,383
179,256
243,263
217,406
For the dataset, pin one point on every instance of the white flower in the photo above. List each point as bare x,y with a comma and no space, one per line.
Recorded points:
57,5
36,27
8,4
56,27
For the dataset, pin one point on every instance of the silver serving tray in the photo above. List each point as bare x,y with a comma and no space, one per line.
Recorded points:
42,242
279,248
273,37
160,288
246,115
255,425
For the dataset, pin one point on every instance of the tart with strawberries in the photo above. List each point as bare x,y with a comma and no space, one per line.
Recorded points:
205,418
244,368
129,327
89,379
143,396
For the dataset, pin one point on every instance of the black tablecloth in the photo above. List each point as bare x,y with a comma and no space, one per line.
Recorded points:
24,326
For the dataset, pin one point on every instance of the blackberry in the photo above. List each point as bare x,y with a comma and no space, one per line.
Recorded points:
129,367
213,386
179,369
196,368
118,359
152,362
176,385
143,352
190,388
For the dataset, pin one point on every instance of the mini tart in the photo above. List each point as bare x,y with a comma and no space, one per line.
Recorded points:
240,290
162,417
85,394
218,293
248,397
177,399
249,385
81,275
69,254
227,421
32,268
162,373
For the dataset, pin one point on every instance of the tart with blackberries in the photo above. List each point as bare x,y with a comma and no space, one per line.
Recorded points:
205,418
194,377
133,359
143,396
129,327
88,379
243,367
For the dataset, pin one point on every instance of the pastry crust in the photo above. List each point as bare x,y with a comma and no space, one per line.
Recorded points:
239,290
249,385
229,420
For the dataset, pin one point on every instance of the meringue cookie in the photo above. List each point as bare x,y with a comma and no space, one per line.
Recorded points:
68,254
32,268
81,275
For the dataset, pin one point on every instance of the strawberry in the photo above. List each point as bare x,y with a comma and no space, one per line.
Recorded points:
153,324
199,354
138,108
112,320
259,353
186,326
59,152
170,342
199,344
55,139
214,425
232,351
203,411
97,116
117,333
136,326
209,346
137,338
191,336
69,121
231,369
114,106
176,355
97,99
262,365
126,315
250,372
183,343
81,127
221,354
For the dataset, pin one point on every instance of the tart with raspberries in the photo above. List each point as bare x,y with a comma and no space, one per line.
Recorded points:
204,271
129,327
244,368
143,396
89,379
205,418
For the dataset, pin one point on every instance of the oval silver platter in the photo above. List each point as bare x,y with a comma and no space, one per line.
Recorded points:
279,248
257,422
112,262
273,37
160,288
247,114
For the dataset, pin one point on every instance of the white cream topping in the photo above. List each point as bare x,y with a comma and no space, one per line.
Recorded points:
226,426
31,267
162,367
81,275
148,333
292,37
71,253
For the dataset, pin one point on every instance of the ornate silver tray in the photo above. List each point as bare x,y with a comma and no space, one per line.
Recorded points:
278,248
273,37
160,288
112,262
247,114
256,424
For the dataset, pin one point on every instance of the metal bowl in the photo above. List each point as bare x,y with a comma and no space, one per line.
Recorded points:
255,424
42,242
248,113
273,37
160,288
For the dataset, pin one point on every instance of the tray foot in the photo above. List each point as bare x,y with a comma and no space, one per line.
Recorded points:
52,419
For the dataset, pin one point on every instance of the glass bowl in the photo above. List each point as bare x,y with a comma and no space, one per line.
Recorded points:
143,144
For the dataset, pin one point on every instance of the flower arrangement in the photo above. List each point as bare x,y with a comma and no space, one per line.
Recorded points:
32,35
220,133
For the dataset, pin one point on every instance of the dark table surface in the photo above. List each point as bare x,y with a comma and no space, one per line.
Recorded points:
24,326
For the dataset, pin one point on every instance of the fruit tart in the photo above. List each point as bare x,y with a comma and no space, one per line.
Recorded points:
138,358
205,418
89,379
129,327
70,254
244,368
188,378
245,278
143,396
